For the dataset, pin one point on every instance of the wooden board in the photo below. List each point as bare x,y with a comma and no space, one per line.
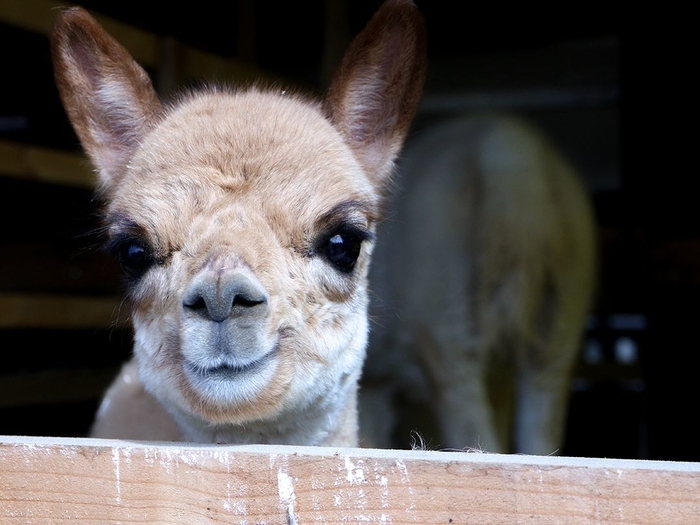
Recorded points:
54,386
54,480
49,311
45,165
38,16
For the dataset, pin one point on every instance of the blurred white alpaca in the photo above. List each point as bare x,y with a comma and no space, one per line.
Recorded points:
482,282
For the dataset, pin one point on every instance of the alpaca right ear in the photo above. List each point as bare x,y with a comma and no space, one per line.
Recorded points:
375,91
108,97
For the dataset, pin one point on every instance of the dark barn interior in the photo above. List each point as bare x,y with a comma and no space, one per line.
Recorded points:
570,75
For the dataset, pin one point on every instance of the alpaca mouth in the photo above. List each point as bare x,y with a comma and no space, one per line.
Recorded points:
228,371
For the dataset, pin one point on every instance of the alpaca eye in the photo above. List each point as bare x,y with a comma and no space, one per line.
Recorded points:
135,258
342,249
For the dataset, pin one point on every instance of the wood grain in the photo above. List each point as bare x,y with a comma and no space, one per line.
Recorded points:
54,480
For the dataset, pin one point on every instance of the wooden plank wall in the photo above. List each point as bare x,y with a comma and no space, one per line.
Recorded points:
104,481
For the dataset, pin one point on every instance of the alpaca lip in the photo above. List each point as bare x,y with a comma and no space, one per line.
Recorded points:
228,371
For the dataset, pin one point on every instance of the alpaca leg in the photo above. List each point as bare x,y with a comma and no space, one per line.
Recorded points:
466,417
461,399
543,399
377,416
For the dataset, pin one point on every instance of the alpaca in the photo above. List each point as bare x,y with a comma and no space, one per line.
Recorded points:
482,280
244,221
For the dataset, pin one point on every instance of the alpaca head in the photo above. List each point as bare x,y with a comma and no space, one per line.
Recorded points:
244,219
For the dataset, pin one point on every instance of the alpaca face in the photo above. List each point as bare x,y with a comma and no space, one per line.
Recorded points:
247,247
244,222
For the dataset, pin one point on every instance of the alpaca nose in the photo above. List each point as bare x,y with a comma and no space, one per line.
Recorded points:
220,295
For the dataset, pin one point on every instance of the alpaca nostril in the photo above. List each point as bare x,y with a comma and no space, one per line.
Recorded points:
246,302
199,304
233,294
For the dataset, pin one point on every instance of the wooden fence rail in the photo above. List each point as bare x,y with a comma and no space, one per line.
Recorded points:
57,480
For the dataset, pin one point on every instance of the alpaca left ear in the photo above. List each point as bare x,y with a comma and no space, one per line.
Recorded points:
108,97
374,94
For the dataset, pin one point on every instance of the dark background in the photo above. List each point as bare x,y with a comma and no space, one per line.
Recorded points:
601,85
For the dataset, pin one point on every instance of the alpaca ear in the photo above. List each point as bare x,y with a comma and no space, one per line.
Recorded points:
108,97
375,91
